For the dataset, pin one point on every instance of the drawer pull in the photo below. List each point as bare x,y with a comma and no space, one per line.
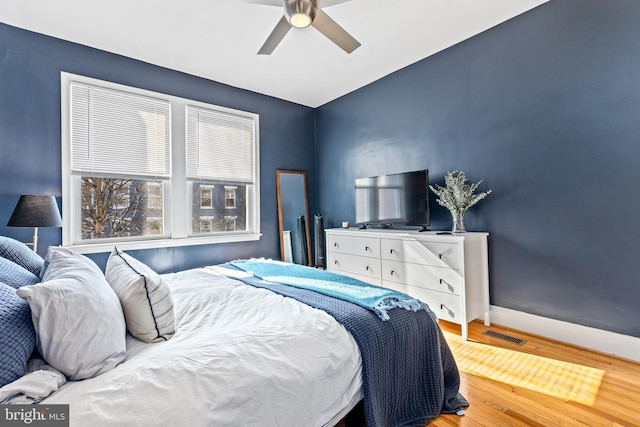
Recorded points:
335,244
336,262
444,253
366,248
444,282
390,251
392,272
444,307
367,267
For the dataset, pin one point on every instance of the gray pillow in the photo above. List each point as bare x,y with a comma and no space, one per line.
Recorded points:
17,337
79,324
145,297
19,253
14,275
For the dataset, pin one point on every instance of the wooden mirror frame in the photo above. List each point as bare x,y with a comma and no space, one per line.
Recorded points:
284,201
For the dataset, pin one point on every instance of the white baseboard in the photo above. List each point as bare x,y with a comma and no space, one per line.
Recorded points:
600,340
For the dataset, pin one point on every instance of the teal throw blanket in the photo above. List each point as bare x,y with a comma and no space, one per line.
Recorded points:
374,298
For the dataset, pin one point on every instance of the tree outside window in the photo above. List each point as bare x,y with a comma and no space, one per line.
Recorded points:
119,207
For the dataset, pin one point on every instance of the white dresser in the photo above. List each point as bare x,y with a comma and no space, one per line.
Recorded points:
448,272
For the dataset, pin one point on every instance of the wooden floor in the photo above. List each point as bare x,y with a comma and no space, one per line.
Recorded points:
615,401
493,404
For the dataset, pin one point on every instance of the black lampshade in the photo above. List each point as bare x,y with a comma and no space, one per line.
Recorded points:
35,211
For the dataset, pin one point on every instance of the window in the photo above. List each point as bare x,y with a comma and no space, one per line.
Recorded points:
117,207
122,178
154,195
206,196
230,197
206,224
152,225
220,169
230,223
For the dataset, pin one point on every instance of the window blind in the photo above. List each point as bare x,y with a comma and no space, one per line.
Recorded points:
113,132
220,146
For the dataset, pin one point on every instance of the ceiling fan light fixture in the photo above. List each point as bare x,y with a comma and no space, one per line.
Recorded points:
305,13
300,13
300,20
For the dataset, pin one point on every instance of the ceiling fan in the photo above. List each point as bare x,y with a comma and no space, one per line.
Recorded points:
304,13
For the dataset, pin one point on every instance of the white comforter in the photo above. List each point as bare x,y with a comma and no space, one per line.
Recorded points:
241,356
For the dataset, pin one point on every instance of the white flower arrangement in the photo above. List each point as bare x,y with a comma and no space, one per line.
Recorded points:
457,196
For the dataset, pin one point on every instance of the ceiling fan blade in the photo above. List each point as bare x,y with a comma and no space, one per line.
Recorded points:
327,3
276,36
334,32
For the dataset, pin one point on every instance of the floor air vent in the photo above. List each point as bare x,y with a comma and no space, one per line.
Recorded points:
504,337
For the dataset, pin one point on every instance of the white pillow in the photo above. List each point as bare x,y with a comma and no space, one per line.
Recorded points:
145,297
80,328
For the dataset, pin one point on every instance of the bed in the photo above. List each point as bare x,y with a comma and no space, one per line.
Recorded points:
219,346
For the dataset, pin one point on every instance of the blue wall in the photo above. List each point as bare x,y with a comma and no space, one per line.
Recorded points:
545,108
30,66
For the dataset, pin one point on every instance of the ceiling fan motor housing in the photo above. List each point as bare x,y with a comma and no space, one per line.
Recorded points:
300,13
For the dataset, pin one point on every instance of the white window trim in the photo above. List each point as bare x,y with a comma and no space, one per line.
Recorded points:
178,220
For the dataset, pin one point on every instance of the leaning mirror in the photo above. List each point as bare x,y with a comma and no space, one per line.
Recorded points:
293,216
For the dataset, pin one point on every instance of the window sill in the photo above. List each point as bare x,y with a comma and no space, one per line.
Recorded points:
93,248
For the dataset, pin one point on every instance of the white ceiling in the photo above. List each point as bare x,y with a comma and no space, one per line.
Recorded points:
218,39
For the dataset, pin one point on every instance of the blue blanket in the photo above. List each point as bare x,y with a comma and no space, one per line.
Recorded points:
375,298
408,372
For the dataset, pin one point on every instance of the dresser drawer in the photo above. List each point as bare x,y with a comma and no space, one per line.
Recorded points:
361,266
438,254
423,276
444,306
363,246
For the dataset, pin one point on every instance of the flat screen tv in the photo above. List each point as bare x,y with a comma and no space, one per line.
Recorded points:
400,199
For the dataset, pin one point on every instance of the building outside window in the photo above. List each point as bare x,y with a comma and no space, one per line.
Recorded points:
222,197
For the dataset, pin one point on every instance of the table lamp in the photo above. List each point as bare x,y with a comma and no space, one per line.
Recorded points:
35,211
